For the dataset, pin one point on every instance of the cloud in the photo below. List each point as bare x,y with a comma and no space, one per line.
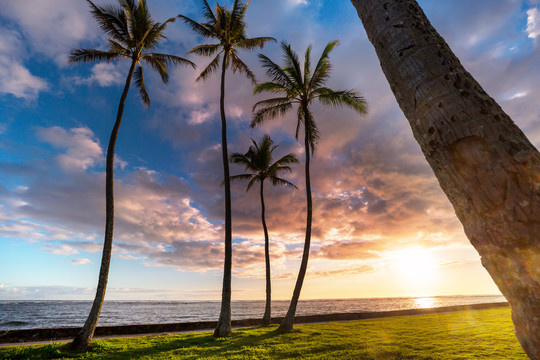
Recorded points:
348,250
80,261
82,150
352,271
104,74
533,23
61,250
17,80
52,30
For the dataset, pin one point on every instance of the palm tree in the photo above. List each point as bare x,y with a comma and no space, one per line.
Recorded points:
301,88
258,162
131,34
484,163
228,28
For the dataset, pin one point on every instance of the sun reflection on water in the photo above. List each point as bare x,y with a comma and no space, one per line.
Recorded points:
424,303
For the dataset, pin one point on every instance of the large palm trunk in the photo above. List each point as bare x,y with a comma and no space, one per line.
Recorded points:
267,318
484,163
223,327
84,337
288,320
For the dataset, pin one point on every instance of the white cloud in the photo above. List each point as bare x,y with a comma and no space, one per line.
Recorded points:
52,28
104,74
533,23
17,80
62,250
82,150
80,261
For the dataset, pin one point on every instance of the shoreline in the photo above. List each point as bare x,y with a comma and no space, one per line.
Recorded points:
15,337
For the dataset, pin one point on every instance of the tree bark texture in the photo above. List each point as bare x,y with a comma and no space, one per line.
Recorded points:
84,337
223,327
485,165
288,321
267,318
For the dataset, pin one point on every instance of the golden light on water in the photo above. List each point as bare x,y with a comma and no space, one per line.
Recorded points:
424,303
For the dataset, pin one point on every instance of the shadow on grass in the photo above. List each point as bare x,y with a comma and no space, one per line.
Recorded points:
264,342
186,346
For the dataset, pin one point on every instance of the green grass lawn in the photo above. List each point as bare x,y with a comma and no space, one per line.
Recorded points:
480,334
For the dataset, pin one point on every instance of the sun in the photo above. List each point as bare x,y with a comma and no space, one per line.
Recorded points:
415,265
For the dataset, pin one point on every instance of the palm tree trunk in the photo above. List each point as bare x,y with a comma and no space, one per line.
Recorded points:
486,166
84,337
267,318
223,327
288,320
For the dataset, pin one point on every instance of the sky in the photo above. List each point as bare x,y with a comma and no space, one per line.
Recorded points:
382,226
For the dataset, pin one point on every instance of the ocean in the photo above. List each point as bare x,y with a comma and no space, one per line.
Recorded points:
51,314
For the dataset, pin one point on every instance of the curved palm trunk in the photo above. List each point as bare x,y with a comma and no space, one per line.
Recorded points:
223,327
84,337
267,318
288,320
486,166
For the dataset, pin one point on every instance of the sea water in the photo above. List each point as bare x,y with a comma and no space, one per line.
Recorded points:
50,314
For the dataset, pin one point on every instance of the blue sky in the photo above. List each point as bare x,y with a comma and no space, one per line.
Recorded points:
382,226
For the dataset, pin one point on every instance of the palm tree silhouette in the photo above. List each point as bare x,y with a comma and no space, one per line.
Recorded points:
301,88
228,27
258,162
131,34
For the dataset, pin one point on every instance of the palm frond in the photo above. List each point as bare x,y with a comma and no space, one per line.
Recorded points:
213,66
253,43
157,65
339,98
241,177
275,72
203,30
251,182
111,20
242,68
92,55
269,112
170,59
272,102
279,181
311,131
237,13
139,82
322,69
307,67
205,50
292,64
207,11
286,160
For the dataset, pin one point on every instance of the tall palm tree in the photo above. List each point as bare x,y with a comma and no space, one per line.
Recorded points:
301,88
484,163
131,34
258,162
228,28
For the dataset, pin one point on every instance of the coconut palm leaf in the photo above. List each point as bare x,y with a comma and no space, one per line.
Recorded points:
139,82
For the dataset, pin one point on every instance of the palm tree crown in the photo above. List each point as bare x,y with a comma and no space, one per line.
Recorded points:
301,88
228,27
131,34
258,161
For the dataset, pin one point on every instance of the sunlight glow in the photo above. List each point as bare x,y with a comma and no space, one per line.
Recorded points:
415,265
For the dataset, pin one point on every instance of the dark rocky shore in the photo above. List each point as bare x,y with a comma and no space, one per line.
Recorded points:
28,335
